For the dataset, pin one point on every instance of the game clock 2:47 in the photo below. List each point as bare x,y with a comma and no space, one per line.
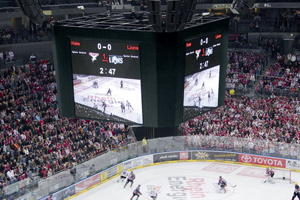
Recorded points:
104,71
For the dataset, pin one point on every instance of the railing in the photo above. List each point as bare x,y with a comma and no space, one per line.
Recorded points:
179,143
278,91
5,66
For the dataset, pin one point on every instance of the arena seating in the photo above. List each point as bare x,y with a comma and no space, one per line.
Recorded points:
35,139
282,78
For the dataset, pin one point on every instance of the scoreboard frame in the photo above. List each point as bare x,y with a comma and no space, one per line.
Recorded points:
162,66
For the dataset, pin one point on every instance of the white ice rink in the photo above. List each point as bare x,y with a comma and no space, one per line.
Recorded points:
197,179
91,96
204,84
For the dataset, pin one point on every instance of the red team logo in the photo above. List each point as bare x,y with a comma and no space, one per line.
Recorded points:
184,155
94,56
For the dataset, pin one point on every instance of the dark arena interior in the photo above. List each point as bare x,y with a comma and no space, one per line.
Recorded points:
90,89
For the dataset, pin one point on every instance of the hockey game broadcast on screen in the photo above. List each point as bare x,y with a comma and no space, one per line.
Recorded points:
107,80
202,74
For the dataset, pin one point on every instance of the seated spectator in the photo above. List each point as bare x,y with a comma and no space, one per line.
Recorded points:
32,58
11,55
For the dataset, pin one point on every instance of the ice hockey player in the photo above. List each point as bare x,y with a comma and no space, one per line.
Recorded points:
136,192
196,82
153,194
123,175
222,183
108,92
130,178
269,174
95,84
104,106
296,192
128,104
122,106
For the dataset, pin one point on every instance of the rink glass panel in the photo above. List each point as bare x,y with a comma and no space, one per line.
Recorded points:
202,74
106,80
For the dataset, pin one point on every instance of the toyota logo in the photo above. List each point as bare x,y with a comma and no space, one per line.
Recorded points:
246,159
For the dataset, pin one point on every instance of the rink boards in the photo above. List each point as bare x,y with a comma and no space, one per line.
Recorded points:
221,158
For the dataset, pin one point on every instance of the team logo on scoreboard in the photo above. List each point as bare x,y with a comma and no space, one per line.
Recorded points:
209,51
115,59
197,53
94,56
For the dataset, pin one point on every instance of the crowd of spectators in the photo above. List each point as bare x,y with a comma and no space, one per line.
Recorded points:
8,36
34,138
30,33
8,56
287,19
275,119
283,77
243,68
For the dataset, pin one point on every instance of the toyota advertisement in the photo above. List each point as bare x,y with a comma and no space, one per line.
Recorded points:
262,160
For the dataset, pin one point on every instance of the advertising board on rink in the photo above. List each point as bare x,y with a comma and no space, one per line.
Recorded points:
162,157
87,183
111,171
184,155
262,160
69,191
136,162
127,164
292,164
207,155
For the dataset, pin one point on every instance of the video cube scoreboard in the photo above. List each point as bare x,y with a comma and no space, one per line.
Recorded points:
130,74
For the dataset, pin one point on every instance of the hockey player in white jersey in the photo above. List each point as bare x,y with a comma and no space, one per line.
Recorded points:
123,175
153,194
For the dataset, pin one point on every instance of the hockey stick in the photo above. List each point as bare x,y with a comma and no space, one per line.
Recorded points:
232,186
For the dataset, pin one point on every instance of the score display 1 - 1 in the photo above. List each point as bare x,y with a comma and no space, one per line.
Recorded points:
107,80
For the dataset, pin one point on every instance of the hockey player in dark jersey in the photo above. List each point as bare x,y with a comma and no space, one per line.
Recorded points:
269,174
222,183
296,192
108,92
130,178
136,192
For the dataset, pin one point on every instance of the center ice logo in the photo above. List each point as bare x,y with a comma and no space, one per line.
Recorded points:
185,188
94,56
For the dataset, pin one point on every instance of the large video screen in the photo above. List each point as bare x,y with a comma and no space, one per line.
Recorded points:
107,80
202,75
